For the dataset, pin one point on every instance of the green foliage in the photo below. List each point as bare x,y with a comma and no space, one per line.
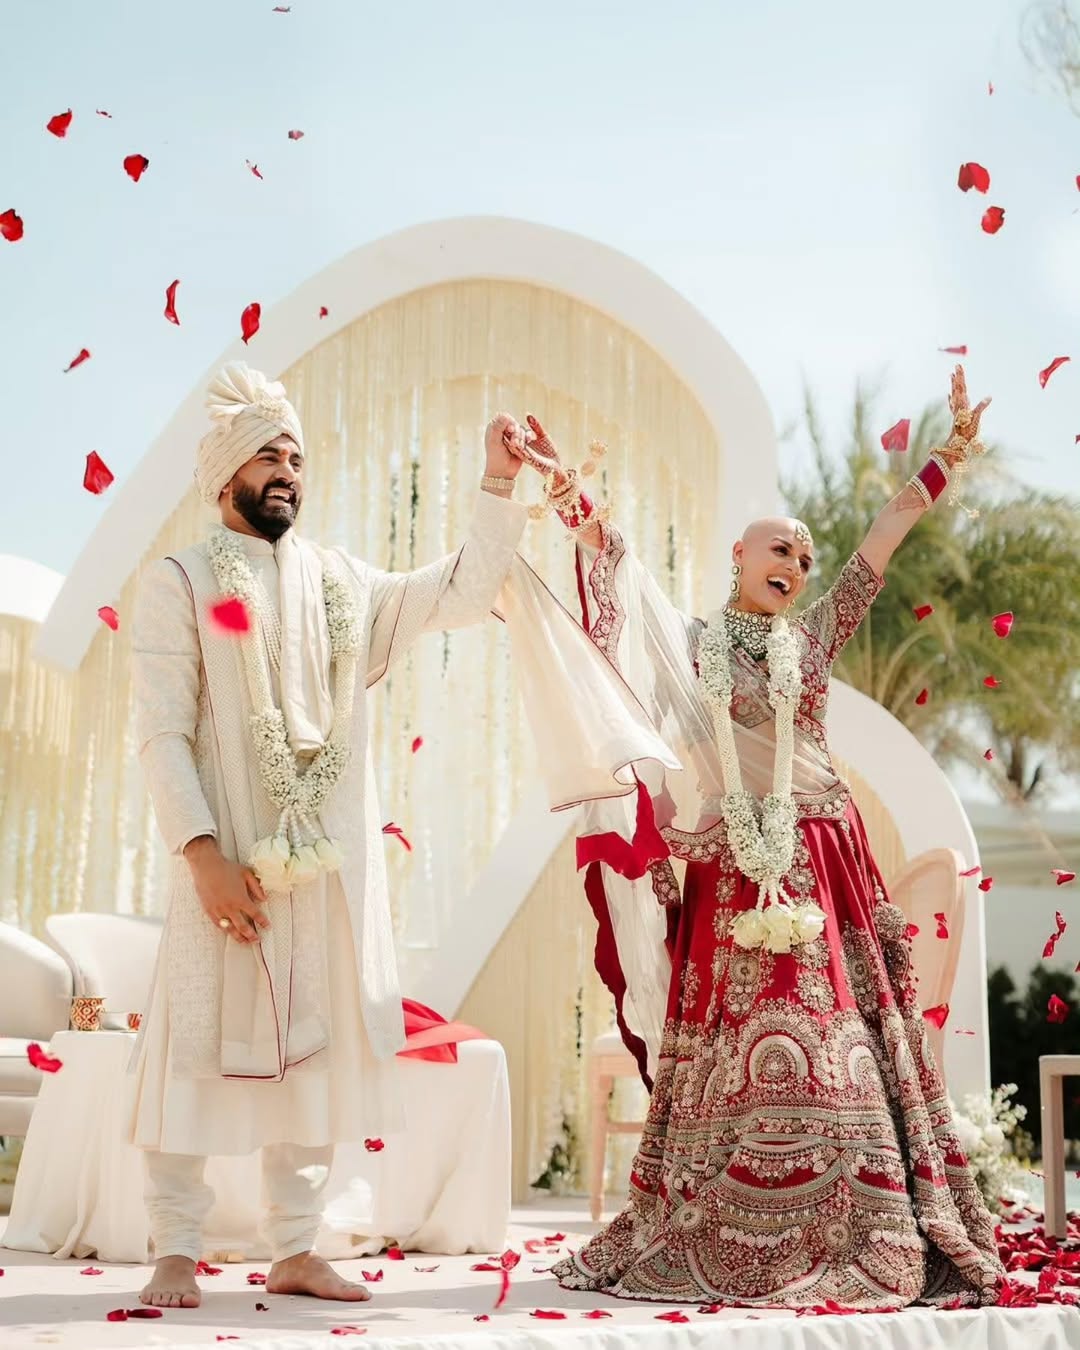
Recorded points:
1020,553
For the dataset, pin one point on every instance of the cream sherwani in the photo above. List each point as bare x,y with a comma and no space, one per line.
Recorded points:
290,1040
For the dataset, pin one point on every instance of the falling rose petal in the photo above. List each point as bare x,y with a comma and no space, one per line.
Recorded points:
249,321
546,1315
972,871
11,226
555,1239
373,1276
504,1287
395,1254
296,135
109,617
896,438
59,124
937,1015
102,113
135,166
201,1268
482,1317
1055,937
973,175
912,930
942,925
993,219
992,682
1056,1010
988,755
955,351
1061,876
256,1277
253,167
40,1060
323,311
1044,375
963,1031
399,834
97,475
510,1260
1002,623
84,355
91,1270
170,302
231,616
922,698
417,743
672,1317
348,1330
374,1145
281,9
990,86
923,612
987,884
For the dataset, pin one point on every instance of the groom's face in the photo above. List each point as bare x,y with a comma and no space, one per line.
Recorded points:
268,490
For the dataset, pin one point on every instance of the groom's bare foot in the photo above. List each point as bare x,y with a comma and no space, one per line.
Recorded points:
172,1284
310,1274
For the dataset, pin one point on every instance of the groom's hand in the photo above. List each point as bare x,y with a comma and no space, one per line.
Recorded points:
501,431
226,890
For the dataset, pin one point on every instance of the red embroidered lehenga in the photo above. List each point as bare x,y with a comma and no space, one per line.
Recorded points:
799,1145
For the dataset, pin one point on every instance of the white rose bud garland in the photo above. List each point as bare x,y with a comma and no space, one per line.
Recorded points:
296,852
764,849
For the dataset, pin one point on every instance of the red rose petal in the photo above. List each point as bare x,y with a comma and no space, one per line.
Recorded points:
145,1314
896,438
937,1015
556,1238
84,355
972,871
912,930
102,113
396,830
373,1276
922,698
672,1317
40,1060
226,1338
989,86
504,1287
993,219
170,302
253,167
988,754
231,615
973,175
11,226
117,1315
91,1270
348,1330
955,351
323,311
510,1260
942,926
395,1254
1002,623
1062,877
595,1314
97,475
545,1314
923,612
481,1317
417,743
296,135
59,124
249,321
374,1145
1056,1010
201,1268
986,884
109,617
256,1277
135,166
992,682
1044,375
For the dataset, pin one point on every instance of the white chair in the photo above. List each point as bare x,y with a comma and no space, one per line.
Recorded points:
35,1003
608,1059
927,885
111,956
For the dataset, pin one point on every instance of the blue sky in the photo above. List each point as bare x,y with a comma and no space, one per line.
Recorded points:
790,168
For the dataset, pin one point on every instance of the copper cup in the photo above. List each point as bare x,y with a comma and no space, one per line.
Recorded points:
86,1013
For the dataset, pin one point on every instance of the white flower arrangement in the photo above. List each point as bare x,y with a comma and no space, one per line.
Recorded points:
296,852
764,849
984,1126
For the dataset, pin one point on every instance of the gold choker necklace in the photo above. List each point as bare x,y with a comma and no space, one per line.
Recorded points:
748,631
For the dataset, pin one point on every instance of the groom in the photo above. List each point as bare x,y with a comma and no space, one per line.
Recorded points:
275,1012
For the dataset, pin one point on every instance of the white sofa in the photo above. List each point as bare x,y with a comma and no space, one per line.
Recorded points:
35,1003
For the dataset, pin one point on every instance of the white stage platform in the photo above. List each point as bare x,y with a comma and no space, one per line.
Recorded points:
48,1302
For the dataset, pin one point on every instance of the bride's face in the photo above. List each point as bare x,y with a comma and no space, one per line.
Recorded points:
776,557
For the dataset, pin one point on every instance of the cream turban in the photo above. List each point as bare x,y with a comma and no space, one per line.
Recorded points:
248,411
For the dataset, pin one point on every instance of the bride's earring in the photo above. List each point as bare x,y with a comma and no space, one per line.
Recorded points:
736,573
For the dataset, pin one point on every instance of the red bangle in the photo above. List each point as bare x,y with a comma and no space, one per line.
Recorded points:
932,476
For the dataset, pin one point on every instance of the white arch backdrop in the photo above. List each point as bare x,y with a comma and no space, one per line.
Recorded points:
906,781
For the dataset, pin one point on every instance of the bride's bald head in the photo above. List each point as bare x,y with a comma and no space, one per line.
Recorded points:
775,555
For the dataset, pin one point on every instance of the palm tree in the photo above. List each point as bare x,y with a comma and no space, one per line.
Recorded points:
1019,553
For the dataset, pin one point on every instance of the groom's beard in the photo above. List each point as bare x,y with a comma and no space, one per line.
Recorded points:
270,518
